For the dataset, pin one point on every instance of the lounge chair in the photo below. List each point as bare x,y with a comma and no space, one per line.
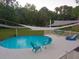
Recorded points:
59,32
73,37
35,47
46,42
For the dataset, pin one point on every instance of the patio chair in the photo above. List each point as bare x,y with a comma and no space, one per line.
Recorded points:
35,47
72,37
59,32
46,43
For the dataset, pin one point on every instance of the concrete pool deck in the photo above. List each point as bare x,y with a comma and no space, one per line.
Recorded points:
58,49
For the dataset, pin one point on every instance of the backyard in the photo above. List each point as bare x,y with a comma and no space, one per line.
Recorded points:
41,29
72,28
5,33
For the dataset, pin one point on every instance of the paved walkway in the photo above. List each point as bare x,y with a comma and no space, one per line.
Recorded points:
37,28
64,22
47,28
76,22
7,26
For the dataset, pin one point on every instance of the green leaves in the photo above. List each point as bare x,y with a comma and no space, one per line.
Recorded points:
67,12
29,15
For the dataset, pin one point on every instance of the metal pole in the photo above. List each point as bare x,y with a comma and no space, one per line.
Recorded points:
16,31
50,25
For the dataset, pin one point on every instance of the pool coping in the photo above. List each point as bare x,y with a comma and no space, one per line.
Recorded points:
60,45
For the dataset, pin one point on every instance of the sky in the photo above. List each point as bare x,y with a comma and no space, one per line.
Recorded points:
50,4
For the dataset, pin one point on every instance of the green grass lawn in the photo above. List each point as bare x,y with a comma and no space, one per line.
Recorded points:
5,33
73,28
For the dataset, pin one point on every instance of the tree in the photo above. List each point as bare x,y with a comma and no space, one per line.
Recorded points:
57,10
77,1
65,12
45,15
75,12
30,7
9,2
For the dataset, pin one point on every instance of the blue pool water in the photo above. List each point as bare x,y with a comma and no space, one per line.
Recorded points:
24,41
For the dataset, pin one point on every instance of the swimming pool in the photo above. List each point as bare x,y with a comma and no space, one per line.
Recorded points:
24,41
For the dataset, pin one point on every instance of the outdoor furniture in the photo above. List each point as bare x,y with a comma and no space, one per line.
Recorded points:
46,42
35,47
72,37
59,32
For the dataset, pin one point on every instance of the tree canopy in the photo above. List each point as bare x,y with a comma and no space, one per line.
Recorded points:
29,15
